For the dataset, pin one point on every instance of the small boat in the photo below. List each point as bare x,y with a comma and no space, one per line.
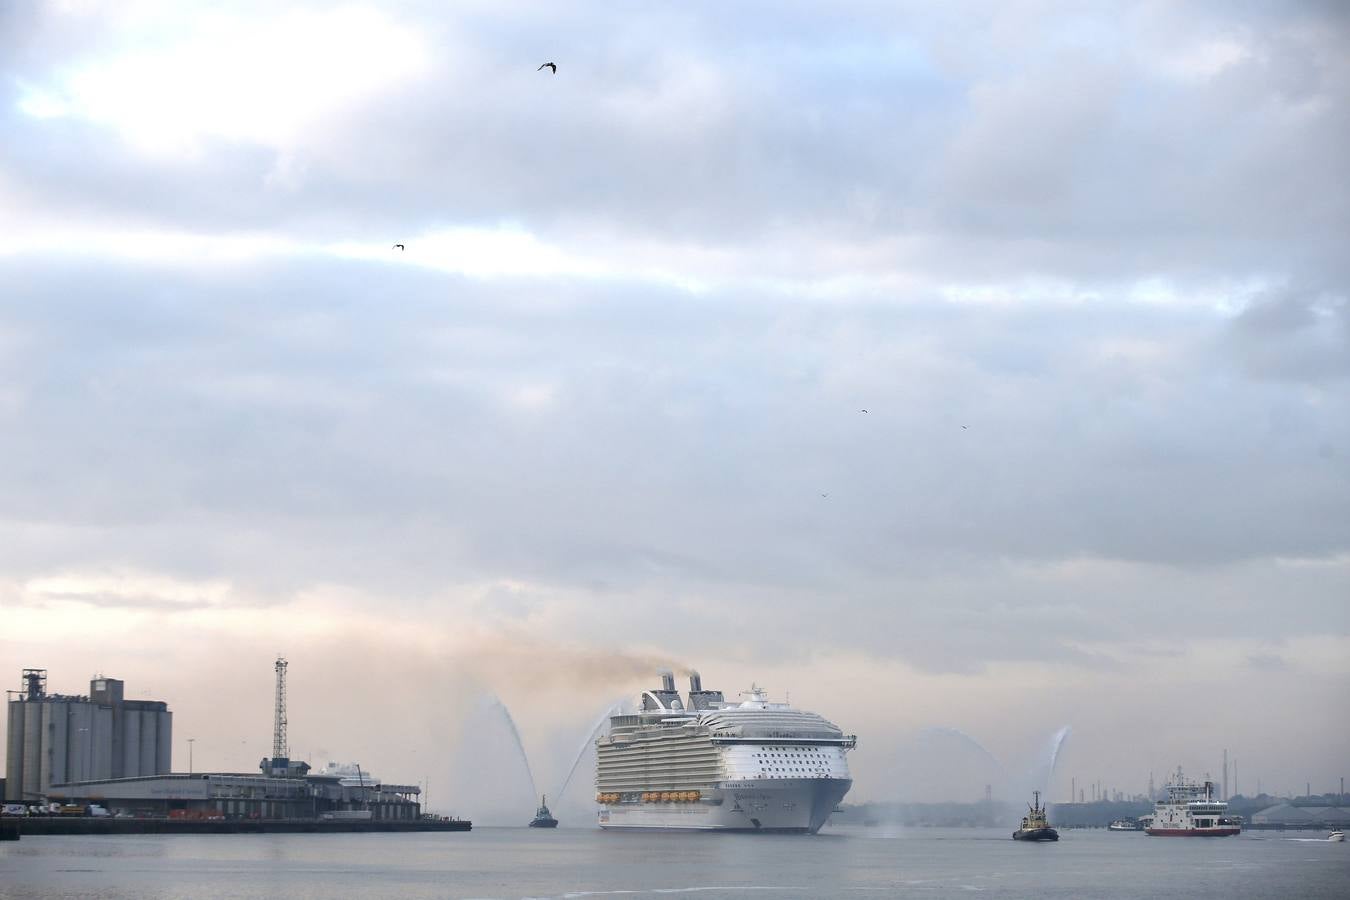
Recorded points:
1035,824
542,817
1337,836
1124,825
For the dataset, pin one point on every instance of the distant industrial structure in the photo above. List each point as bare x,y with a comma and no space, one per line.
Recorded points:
1306,814
280,765
59,738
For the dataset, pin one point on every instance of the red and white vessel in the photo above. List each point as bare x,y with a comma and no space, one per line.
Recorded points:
1191,810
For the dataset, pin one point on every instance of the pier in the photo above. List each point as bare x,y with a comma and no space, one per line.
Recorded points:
85,825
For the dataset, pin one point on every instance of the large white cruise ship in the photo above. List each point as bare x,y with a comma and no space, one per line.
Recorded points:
710,765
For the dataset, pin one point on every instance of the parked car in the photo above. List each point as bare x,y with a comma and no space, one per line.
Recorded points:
13,809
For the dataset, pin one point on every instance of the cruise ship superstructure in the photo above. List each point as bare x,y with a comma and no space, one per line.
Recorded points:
711,765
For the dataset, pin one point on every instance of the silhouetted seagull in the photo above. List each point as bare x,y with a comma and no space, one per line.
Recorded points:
398,247
862,410
553,66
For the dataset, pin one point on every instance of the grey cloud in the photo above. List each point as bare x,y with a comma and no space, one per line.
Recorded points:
1267,662
1296,334
1106,241
127,601
289,424
1030,143
617,453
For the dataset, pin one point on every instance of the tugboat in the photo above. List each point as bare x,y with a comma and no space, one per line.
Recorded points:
542,817
1035,825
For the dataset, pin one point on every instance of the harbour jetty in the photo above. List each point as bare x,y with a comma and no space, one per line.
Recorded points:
85,825
98,763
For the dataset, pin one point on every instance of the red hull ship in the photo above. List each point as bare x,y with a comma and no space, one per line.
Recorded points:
1191,810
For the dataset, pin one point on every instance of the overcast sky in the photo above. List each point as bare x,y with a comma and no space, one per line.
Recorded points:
1083,265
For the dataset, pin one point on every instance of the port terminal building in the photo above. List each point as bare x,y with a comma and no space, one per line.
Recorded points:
59,738
103,749
220,795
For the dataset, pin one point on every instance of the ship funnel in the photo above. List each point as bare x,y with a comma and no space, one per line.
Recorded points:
699,698
667,680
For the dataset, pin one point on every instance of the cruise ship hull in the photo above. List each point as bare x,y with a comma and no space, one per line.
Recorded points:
782,805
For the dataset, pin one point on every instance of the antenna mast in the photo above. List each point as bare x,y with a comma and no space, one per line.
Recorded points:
279,748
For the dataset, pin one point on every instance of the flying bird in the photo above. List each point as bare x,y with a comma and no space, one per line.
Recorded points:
398,247
553,66
964,427
862,410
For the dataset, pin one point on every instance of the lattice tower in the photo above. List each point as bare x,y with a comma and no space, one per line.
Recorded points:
279,748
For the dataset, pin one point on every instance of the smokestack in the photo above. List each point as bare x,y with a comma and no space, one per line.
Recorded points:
667,680
695,683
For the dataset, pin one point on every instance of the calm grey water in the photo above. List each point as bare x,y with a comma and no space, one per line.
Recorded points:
519,862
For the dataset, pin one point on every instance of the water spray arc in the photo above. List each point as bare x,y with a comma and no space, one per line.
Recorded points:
959,735
1056,745
1017,779
614,709
499,707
